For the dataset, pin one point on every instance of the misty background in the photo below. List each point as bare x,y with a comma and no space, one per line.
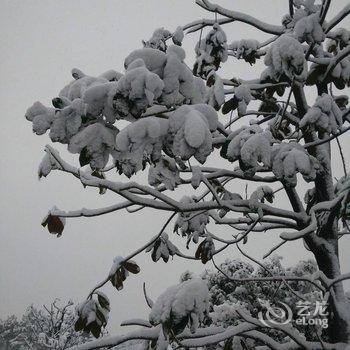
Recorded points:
41,41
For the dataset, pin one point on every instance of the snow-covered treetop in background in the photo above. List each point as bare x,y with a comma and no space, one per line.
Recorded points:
51,327
176,119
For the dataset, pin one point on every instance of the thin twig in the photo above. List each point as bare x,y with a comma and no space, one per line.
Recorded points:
342,156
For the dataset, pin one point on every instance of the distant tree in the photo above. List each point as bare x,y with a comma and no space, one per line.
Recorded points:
42,329
174,131
10,329
228,292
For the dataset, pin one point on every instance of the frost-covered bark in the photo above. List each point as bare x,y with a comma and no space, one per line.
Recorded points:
177,118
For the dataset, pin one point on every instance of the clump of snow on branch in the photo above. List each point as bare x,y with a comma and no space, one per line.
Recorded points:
340,39
288,159
120,271
41,117
136,90
197,176
178,36
179,82
99,101
210,52
77,87
180,305
186,133
216,94
243,96
309,29
190,131
94,91
96,141
191,224
245,49
303,9
285,57
227,196
158,39
323,116
67,121
47,164
251,146
92,316
164,172
259,196
340,72
139,142
178,79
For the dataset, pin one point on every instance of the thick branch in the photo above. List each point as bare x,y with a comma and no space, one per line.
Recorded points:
241,17
338,18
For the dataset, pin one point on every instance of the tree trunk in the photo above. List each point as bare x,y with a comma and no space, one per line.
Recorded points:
324,243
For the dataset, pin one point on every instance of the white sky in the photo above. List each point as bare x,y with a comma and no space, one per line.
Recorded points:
40,42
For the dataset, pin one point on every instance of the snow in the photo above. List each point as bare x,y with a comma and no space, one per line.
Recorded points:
199,91
191,224
195,130
197,176
98,99
67,122
290,158
164,172
308,29
158,39
259,196
47,164
139,141
323,116
190,133
244,96
180,86
91,311
133,345
111,75
285,56
117,262
181,304
246,49
155,60
162,248
76,88
136,91
177,78
178,36
99,142
225,313
41,117
216,93
36,109
251,145
211,51
209,113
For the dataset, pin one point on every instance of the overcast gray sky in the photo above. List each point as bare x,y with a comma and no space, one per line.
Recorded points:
41,41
